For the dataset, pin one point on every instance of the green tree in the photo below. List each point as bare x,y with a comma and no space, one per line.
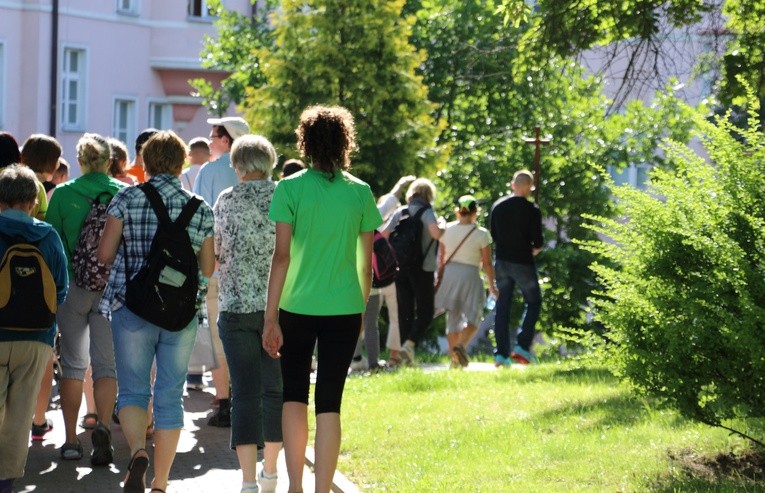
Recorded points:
684,296
233,51
354,53
493,98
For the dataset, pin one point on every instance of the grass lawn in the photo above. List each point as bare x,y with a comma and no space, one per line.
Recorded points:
544,428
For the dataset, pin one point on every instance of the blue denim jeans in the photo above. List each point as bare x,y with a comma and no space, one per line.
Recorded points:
136,344
256,380
508,275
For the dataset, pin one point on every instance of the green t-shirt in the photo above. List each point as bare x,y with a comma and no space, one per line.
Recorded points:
69,205
327,217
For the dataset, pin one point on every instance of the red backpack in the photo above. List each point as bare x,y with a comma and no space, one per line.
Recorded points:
384,263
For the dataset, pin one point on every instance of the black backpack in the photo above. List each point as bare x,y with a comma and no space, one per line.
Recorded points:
164,291
89,273
384,262
406,240
27,288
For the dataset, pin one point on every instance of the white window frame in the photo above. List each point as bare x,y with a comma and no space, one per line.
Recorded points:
130,132
133,7
204,10
3,83
80,99
167,116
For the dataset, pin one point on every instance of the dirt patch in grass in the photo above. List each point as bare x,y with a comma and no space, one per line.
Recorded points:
749,465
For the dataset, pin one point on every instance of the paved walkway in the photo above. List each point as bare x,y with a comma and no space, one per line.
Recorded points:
204,462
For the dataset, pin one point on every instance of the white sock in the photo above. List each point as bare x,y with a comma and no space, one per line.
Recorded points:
249,487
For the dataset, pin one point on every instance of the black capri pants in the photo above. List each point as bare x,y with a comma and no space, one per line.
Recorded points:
337,336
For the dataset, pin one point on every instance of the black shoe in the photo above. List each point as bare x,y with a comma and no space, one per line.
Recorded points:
103,452
222,417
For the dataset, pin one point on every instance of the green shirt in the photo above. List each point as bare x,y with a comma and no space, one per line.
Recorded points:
69,205
327,217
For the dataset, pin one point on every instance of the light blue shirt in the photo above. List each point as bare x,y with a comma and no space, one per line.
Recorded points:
214,177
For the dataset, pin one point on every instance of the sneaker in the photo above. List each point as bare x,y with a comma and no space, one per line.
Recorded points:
267,483
71,451
194,382
6,485
360,364
522,356
462,355
407,355
222,417
39,431
103,452
502,362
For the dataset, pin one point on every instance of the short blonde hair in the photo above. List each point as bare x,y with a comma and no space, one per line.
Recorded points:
94,153
253,153
523,177
164,153
421,188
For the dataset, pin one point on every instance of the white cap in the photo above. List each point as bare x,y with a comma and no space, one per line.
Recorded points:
234,125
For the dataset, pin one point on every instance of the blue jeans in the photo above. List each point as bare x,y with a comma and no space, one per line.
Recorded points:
508,275
136,344
256,380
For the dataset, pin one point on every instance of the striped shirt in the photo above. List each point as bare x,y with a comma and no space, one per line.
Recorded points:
139,223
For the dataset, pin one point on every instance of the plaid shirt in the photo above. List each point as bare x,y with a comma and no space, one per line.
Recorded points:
139,223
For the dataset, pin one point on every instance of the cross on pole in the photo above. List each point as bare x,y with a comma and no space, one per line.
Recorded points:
538,142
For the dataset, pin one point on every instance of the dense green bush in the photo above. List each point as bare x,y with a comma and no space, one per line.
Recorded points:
683,302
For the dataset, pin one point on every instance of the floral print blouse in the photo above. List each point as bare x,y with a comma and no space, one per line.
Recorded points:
244,244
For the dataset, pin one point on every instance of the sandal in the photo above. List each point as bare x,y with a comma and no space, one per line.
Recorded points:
89,421
135,481
71,451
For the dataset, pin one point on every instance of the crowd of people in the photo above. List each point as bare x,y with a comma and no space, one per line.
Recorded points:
284,271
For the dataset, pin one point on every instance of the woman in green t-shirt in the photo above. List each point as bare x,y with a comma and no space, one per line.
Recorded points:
320,279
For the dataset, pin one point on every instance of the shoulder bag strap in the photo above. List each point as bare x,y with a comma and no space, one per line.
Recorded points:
461,243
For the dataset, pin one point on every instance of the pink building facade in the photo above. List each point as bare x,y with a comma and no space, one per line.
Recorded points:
113,67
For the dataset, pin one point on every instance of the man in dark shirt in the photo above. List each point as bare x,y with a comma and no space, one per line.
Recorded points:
516,227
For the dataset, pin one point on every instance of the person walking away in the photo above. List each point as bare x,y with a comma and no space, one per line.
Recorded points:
386,204
27,329
199,154
417,262
321,275
132,221
465,249
137,170
41,153
244,245
516,226
214,177
86,334
118,162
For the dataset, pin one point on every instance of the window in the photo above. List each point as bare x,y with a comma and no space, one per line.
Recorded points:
123,126
73,78
634,175
127,6
161,116
199,9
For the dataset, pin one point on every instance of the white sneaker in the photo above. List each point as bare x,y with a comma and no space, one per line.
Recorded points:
267,484
360,365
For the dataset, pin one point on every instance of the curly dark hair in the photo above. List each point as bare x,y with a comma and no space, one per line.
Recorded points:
326,137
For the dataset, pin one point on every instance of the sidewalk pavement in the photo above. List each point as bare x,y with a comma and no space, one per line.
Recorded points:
204,462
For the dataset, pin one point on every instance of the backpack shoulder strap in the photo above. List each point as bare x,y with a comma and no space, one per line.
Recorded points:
155,200
184,218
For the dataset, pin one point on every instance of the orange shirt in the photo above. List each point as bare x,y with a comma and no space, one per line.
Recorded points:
137,172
